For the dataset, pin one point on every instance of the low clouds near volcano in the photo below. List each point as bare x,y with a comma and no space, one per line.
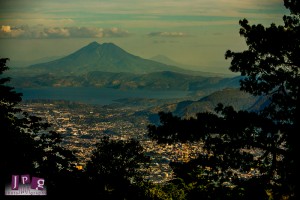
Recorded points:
40,32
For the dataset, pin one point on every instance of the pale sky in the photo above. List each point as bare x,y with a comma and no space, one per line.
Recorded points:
193,32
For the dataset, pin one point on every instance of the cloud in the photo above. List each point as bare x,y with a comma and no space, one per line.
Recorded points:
6,29
12,32
167,34
115,32
56,32
40,32
164,41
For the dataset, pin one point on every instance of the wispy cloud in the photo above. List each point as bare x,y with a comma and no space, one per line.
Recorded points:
38,32
167,34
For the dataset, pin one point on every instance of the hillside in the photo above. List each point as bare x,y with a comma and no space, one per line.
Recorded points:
151,81
228,97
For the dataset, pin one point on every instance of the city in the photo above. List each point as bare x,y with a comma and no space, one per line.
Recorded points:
82,126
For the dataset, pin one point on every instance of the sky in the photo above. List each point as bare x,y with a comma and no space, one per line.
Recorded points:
193,32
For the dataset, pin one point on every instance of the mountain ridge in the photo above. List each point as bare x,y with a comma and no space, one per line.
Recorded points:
124,80
240,100
106,57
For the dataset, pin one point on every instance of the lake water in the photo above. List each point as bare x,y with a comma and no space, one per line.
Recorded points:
100,96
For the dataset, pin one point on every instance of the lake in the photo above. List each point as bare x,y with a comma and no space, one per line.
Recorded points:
91,95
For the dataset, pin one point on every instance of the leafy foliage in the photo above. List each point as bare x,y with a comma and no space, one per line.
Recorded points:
114,170
242,148
27,147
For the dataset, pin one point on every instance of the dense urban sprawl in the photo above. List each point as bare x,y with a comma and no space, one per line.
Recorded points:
82,126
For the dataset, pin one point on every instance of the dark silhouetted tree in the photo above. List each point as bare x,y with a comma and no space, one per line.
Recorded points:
249,155
27,147
114,170
271,65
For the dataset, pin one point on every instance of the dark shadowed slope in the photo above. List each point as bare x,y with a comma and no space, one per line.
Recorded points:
228,97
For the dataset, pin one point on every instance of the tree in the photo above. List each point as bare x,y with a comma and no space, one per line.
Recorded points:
243,148
114,170
27,146
271,65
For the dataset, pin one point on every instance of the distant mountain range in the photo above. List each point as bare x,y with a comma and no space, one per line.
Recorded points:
106,57
107,65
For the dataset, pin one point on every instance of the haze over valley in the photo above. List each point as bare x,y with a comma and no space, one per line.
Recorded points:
109,66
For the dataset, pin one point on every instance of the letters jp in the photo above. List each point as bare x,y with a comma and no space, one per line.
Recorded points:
36,183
